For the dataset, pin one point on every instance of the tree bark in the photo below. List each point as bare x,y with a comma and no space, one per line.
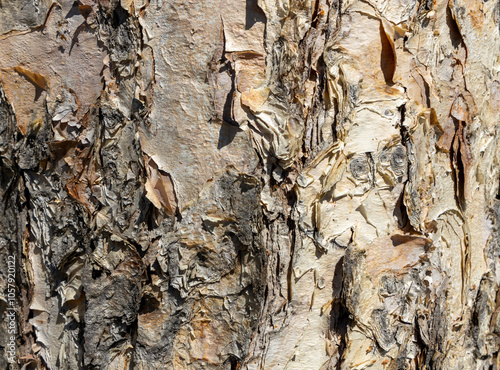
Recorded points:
250,184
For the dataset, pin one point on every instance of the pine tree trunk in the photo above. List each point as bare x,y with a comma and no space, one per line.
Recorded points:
259,184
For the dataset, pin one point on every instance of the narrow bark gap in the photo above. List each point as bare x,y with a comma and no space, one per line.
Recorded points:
387,58
455,35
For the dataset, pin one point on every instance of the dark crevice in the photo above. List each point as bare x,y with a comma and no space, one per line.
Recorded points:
457,166
400,210
387,58
119,16
460,177
427,93
373,168
315,17
253,14
291,227
234,361
455,35
340,319
227,67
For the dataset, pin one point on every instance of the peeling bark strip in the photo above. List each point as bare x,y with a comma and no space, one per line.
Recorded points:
250,184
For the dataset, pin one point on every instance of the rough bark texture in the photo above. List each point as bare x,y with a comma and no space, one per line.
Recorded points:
259,184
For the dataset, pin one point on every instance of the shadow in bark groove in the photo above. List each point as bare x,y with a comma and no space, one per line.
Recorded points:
254,14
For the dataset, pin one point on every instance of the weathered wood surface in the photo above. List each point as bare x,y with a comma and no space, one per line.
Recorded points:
264,184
